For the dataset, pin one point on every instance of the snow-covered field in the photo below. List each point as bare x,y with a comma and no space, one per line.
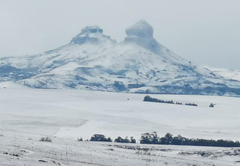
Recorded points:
26,115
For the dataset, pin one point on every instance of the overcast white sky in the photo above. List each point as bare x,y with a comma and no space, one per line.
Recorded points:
206,32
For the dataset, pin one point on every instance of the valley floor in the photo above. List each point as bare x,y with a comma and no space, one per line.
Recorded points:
26,115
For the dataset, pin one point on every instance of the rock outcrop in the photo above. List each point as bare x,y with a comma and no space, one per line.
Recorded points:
140,29
93,35
142,34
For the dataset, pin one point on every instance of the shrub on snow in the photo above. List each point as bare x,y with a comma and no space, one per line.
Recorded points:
47,139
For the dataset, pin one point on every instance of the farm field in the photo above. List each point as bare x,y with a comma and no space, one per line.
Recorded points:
26,115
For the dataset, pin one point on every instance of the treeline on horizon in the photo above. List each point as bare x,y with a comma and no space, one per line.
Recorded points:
151,99
168,139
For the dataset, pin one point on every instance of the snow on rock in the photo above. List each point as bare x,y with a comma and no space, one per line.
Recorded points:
141,33
140,29
94,61
93,35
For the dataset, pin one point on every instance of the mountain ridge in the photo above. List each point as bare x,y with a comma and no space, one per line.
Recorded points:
94,61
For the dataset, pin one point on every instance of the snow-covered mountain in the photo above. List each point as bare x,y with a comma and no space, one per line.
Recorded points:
94,61
228,73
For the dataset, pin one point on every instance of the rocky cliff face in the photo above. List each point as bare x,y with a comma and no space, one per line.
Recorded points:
94,61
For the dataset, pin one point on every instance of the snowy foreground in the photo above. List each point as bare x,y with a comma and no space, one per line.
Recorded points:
26,115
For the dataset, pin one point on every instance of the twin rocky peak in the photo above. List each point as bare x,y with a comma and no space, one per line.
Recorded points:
141,33
94,61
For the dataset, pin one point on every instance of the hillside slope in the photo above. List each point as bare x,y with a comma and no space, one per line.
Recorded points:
94,61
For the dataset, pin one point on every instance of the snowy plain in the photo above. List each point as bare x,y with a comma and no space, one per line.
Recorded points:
27,114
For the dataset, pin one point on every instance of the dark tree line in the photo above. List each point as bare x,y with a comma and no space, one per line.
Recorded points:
151,99
125,140
102,138
168,139
191,104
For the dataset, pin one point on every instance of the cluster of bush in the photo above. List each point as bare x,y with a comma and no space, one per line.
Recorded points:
150,99
100,137
191,104
125,140
211,105
168,139
45,139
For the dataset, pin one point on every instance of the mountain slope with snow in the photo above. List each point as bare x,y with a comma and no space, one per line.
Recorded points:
94,61
228,73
